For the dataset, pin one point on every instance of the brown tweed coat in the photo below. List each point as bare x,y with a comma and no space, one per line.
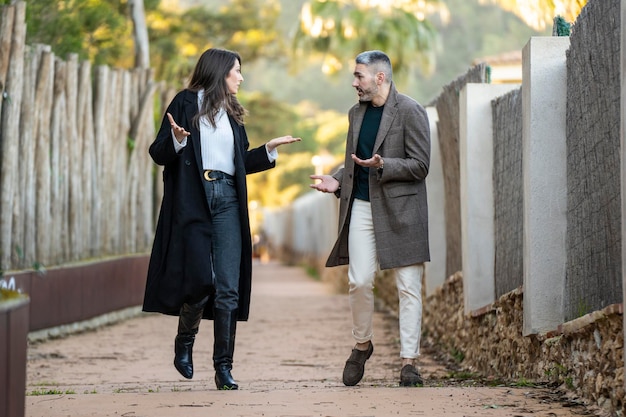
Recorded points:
398,194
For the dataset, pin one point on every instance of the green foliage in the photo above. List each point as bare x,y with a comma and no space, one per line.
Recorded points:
582,308
457,355
130,143
558,372
39,268
50,392
468,32
561,27
523,383
463,375
301,80
101,32
338,29
284,94
267,118
539,13
312,272
473,31
321,132
98,31
6,295
19,252
177,38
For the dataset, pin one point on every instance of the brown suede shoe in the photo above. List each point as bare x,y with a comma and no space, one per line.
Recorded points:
355,366
409,377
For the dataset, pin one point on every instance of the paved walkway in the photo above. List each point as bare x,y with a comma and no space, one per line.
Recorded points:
288,362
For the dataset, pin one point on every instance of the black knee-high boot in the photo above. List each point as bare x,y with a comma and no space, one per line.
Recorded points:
188,323
224,327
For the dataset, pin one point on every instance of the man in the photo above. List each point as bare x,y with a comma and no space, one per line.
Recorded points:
383,218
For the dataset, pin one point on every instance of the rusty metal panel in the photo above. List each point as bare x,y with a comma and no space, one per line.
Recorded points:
68,294
137,285
13,342
55,298
4,362
113,285
18,330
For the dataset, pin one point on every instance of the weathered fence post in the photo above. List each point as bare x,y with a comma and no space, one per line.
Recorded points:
43,100
10,119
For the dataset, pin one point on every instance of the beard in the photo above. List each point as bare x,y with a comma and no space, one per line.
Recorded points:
367,94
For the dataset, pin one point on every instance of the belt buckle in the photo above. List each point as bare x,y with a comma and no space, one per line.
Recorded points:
207,177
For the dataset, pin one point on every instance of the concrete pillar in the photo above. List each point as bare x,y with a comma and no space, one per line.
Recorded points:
544,84
623,160
436,268
476,171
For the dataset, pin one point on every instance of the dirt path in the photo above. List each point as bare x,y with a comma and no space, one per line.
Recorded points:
288,362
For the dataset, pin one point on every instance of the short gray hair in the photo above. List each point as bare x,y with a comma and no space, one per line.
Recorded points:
379,60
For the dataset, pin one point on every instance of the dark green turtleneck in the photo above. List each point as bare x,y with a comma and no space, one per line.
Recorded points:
365,148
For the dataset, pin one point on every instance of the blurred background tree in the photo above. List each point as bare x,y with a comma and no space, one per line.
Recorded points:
298,56
539,13
98,31
178,35
336,29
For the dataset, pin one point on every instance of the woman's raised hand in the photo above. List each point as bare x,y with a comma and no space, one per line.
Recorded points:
179,132
283,140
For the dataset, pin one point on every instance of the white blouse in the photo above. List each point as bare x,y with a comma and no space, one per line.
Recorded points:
217,143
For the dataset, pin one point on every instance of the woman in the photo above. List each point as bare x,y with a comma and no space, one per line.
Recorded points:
201,260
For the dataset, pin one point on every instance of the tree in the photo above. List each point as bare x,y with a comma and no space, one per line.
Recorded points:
140,32
170,40
539,13
178,38
321,131
97,31
342,28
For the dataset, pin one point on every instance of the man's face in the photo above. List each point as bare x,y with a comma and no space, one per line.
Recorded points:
365,82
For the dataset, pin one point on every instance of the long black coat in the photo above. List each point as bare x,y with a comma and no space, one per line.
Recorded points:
180,264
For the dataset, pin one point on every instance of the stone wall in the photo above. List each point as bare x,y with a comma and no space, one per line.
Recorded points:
584,356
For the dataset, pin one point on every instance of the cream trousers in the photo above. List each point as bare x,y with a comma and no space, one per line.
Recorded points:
361,273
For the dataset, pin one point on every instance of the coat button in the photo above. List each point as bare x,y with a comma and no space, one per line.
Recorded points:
187,162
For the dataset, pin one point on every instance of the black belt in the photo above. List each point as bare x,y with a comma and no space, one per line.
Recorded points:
211,175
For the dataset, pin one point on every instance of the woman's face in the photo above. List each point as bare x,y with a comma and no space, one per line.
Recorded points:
234,78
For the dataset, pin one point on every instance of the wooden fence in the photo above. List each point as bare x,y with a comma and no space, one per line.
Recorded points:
76,179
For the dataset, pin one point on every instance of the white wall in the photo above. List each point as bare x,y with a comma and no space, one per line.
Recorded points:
477,207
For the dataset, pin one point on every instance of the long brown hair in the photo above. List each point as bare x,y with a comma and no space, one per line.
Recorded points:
210,75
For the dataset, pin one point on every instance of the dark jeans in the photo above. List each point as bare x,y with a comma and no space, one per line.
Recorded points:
225,241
